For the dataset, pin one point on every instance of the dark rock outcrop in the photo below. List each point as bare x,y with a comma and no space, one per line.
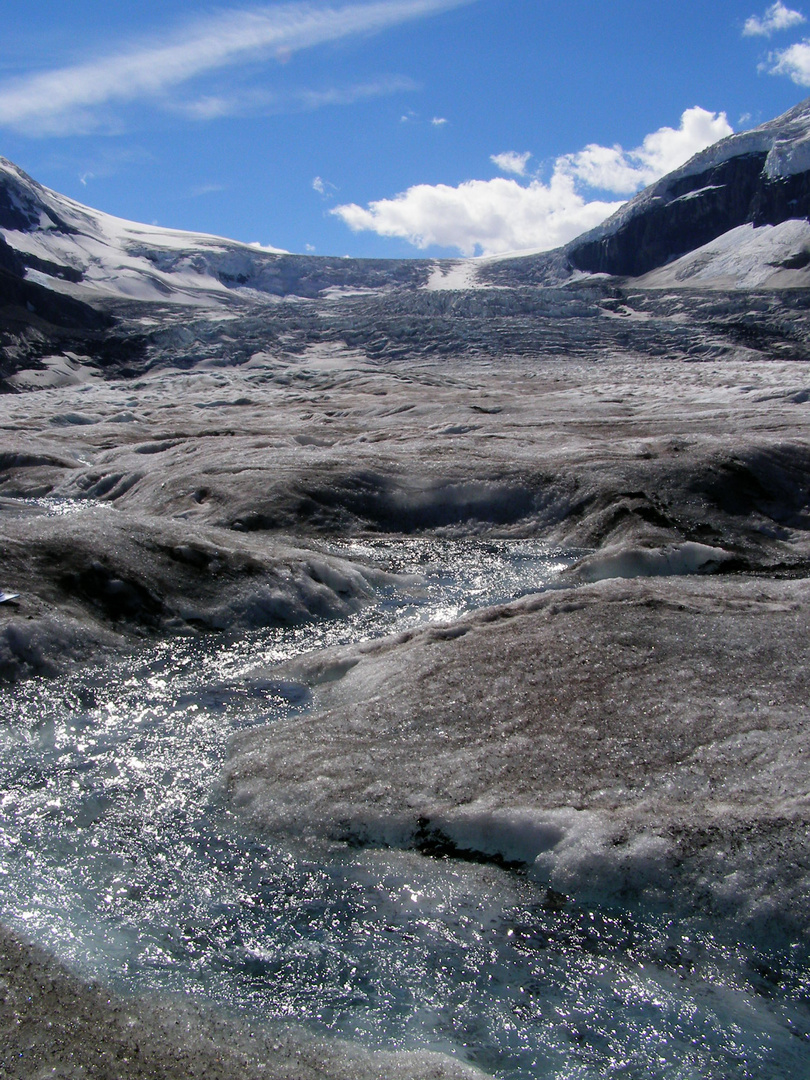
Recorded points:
686,215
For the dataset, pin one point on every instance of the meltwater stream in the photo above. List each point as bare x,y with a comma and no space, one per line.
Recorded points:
117,855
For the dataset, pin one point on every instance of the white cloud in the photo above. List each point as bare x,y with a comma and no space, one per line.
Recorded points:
777,17
323,187
511,162
438,121
71,98
261,247
610,168
486,216
494,216
793,62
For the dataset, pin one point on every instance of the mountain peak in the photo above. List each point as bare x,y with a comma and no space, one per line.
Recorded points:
759,177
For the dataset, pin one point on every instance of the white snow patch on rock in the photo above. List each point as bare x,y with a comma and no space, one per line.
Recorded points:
770,256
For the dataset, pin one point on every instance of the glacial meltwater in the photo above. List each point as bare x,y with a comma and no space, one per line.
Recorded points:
118,855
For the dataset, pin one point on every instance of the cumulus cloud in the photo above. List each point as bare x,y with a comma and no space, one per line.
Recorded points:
490,217
74,98
438,121
486,216
777,17
511,162
793,62
610,168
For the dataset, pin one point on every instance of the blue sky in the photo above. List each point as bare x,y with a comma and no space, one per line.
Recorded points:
384,127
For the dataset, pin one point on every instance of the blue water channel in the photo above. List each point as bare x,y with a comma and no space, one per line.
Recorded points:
119,854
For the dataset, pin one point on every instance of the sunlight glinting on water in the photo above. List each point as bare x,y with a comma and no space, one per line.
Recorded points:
117,854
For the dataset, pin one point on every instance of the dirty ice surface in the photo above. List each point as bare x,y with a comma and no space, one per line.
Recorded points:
117,854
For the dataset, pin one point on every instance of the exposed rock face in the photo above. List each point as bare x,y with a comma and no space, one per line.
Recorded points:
685,215
758,177
694,210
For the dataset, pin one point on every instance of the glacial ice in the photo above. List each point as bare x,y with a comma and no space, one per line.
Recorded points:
141,876
649,744
562,835
623,561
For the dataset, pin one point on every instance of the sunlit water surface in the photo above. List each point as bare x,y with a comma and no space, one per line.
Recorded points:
117,853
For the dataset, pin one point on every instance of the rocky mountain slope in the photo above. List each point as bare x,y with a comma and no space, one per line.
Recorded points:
758,178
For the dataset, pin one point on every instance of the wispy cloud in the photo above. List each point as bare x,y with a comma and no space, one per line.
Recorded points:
777,17
494,216
323,187
75,97
249,102
199,190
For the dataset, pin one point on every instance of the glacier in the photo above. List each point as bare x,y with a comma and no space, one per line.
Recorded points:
404,663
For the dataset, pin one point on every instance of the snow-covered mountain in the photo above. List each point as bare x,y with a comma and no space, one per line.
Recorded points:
58,243
124,297
744,188
759,177
63,244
